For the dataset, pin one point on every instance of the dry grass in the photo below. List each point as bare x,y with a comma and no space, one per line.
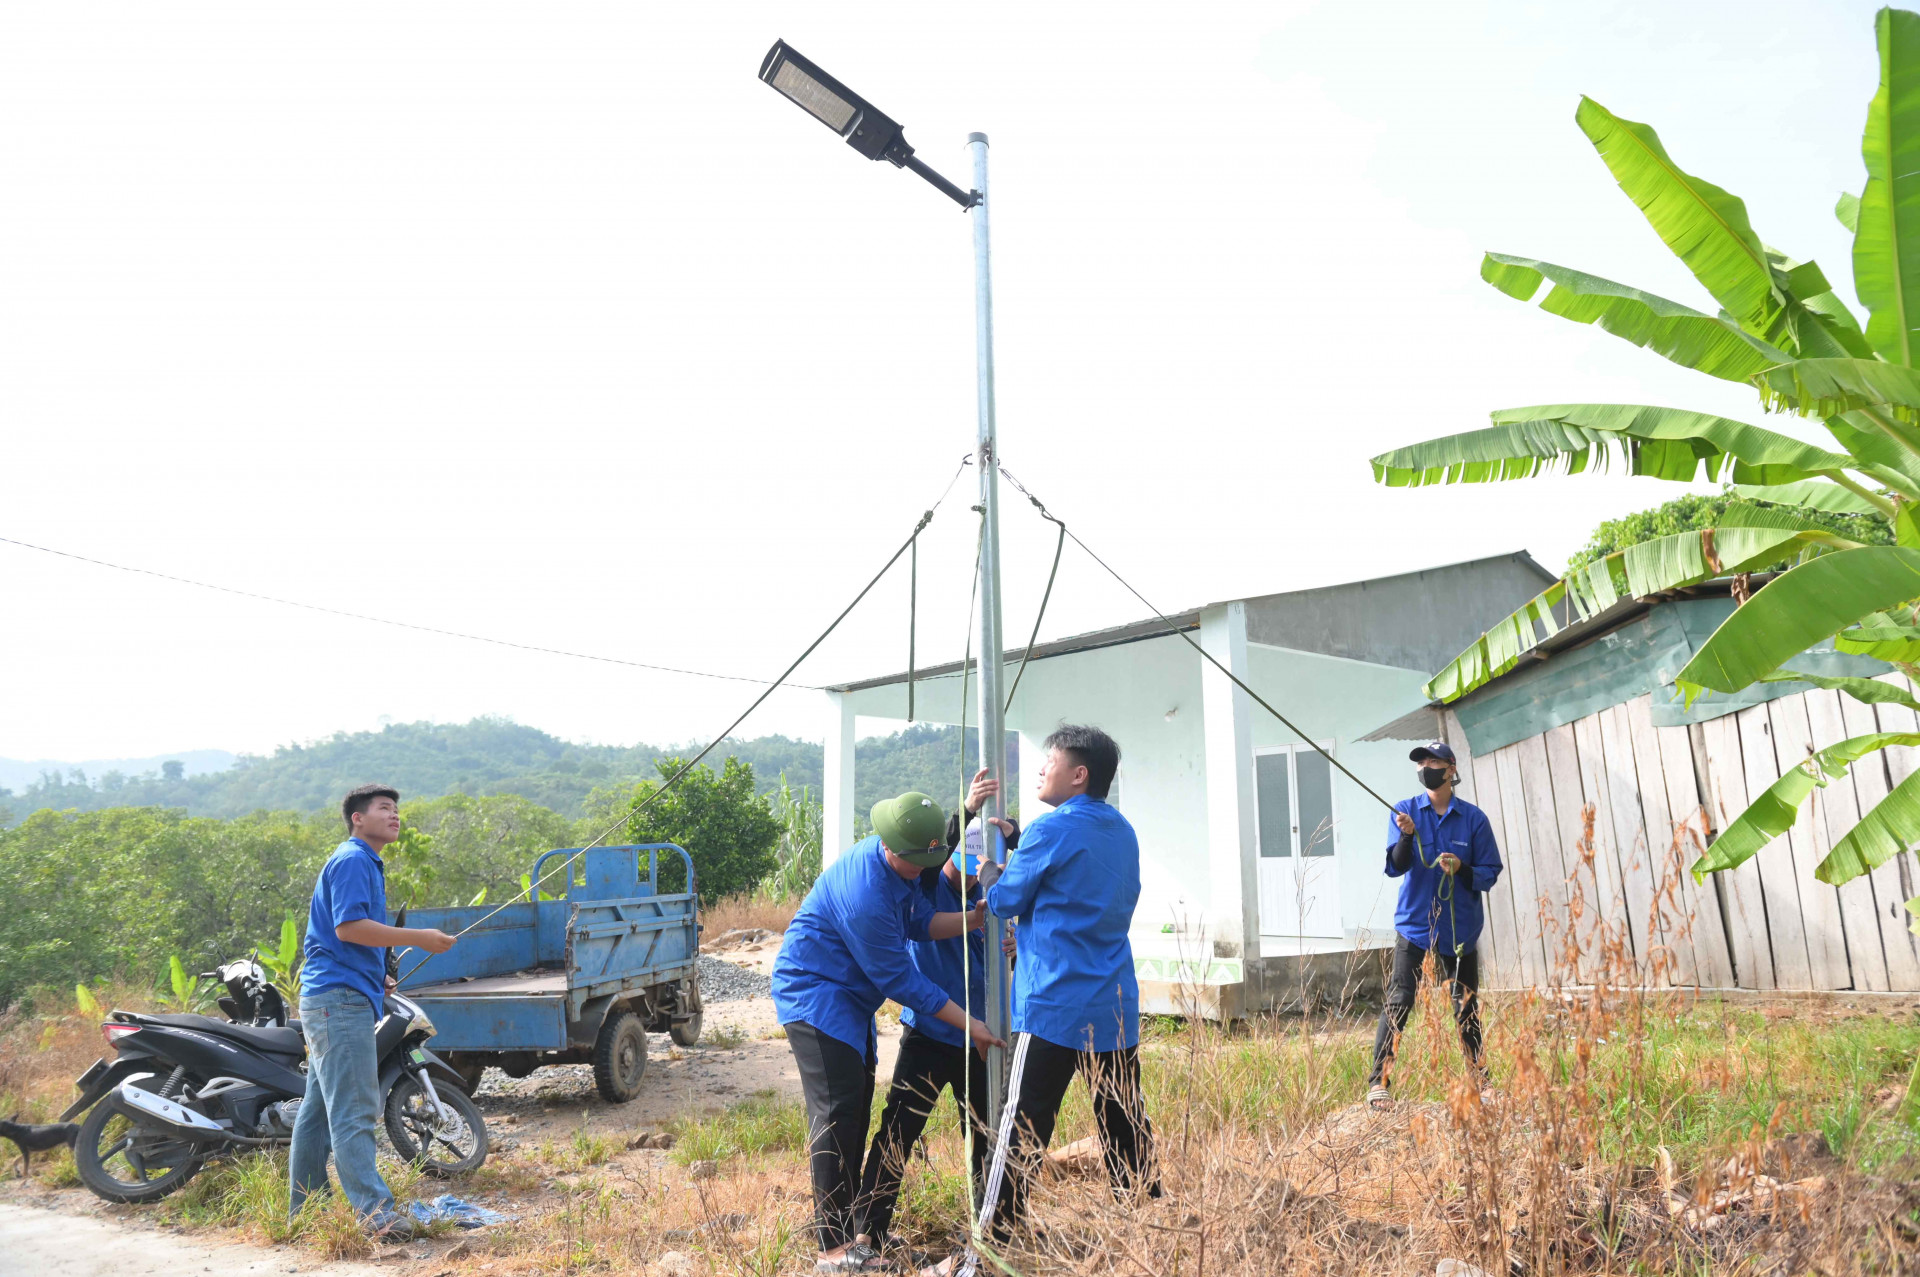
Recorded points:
746,912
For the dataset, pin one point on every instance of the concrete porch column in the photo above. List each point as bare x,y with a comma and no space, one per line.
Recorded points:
1233,905
1027,784
836,798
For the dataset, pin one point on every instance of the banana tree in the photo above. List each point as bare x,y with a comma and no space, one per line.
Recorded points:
1779,327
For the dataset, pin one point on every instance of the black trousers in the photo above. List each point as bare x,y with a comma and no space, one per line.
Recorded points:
1041,1073
1462,976
925,1067
837,1083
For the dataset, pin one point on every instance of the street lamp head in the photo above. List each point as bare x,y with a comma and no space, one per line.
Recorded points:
866,128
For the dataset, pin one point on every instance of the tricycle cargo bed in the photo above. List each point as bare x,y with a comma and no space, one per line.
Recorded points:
536,982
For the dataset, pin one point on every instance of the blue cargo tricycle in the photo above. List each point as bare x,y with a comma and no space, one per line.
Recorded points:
579,978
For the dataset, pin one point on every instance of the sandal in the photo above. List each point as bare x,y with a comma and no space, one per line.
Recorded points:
859,1258
1380,1100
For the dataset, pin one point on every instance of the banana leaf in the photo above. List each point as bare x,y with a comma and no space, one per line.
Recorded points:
1829,387
1870,690
1882,637
1665,563
1705,226
1875,453
1773,812
1803,606
1814,494
1848,210
1883,833
1913,907
1665,443
1706,343
1886,241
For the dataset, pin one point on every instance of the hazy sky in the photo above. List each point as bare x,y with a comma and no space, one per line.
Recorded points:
553,323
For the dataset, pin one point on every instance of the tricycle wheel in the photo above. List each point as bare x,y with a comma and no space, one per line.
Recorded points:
620,1056
687,1032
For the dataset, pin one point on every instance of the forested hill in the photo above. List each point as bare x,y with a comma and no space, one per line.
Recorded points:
485,756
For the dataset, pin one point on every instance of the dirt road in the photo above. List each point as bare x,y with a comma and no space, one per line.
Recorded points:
47,1243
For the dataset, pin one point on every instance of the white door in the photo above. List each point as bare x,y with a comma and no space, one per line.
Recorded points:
1293,803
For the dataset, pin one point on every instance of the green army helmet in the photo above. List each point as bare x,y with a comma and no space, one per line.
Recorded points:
913,828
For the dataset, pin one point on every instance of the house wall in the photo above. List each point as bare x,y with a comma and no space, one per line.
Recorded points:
1339,700
1658,794
1147,695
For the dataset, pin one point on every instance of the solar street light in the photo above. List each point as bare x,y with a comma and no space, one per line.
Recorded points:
876,135
866,128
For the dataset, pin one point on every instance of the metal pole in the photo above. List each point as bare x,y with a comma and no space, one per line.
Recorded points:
993,736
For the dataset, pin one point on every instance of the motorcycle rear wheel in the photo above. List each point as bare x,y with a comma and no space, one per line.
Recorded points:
439,1148
122,1161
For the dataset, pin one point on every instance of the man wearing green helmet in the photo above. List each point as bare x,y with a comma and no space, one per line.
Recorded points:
844,954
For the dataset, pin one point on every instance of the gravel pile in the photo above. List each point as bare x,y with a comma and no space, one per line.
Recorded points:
724,982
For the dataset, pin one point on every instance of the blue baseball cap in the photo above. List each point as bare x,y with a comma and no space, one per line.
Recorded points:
966,862
1436,749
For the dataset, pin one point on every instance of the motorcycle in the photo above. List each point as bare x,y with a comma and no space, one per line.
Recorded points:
185,1089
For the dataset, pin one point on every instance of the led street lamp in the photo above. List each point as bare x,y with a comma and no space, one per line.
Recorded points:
866,128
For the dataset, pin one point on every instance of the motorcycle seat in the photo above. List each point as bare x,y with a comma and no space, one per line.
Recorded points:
275,1041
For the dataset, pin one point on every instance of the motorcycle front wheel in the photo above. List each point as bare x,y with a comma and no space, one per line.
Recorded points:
123,1161
440,1146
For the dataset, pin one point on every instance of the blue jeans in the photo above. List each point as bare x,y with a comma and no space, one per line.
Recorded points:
342,1105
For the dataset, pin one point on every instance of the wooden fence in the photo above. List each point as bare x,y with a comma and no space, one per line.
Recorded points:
1658,794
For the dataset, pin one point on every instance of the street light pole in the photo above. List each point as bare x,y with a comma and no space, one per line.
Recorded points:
993,735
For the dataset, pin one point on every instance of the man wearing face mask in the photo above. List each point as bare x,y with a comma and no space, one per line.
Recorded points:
1442,849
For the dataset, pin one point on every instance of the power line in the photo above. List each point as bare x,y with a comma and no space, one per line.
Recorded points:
381,620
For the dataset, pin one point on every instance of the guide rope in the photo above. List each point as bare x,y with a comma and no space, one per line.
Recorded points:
1445,891
627,817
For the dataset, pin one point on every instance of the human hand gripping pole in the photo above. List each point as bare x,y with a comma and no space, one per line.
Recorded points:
626,818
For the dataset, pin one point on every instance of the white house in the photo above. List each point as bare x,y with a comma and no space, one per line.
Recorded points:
1261,866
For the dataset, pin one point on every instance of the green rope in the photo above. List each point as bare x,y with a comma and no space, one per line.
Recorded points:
1059,544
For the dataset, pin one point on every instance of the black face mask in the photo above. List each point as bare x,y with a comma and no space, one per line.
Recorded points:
1433,777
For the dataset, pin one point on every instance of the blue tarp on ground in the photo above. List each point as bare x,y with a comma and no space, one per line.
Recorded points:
465,1214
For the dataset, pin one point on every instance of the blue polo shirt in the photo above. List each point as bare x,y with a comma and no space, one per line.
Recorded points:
1447,925
352,885
846,950
939,961
1073,884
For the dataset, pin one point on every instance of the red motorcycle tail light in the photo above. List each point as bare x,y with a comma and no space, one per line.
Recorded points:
113,1032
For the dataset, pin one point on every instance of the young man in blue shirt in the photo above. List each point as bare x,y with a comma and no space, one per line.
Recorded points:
1442,849
343,986
933,1055
846,952
1076,1004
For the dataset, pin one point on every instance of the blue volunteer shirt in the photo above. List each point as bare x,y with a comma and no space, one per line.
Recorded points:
1423,916
846,950
1073,884
939,961
352,885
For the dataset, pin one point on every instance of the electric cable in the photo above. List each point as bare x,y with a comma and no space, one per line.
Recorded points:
382,620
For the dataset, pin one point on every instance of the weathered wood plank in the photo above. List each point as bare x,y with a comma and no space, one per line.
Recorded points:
1836,809
1671,924
1901,763
1779,882
1746,904
1871,783
1630,832
1520,861
1515,972
1549,858
1819,903
1498,965
1610,894
1706,927
1569,801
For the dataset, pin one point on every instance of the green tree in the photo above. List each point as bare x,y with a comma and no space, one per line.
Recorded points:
486,841
724,826
1781,328
1695,511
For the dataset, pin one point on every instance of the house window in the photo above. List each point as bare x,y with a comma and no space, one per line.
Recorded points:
1293,797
